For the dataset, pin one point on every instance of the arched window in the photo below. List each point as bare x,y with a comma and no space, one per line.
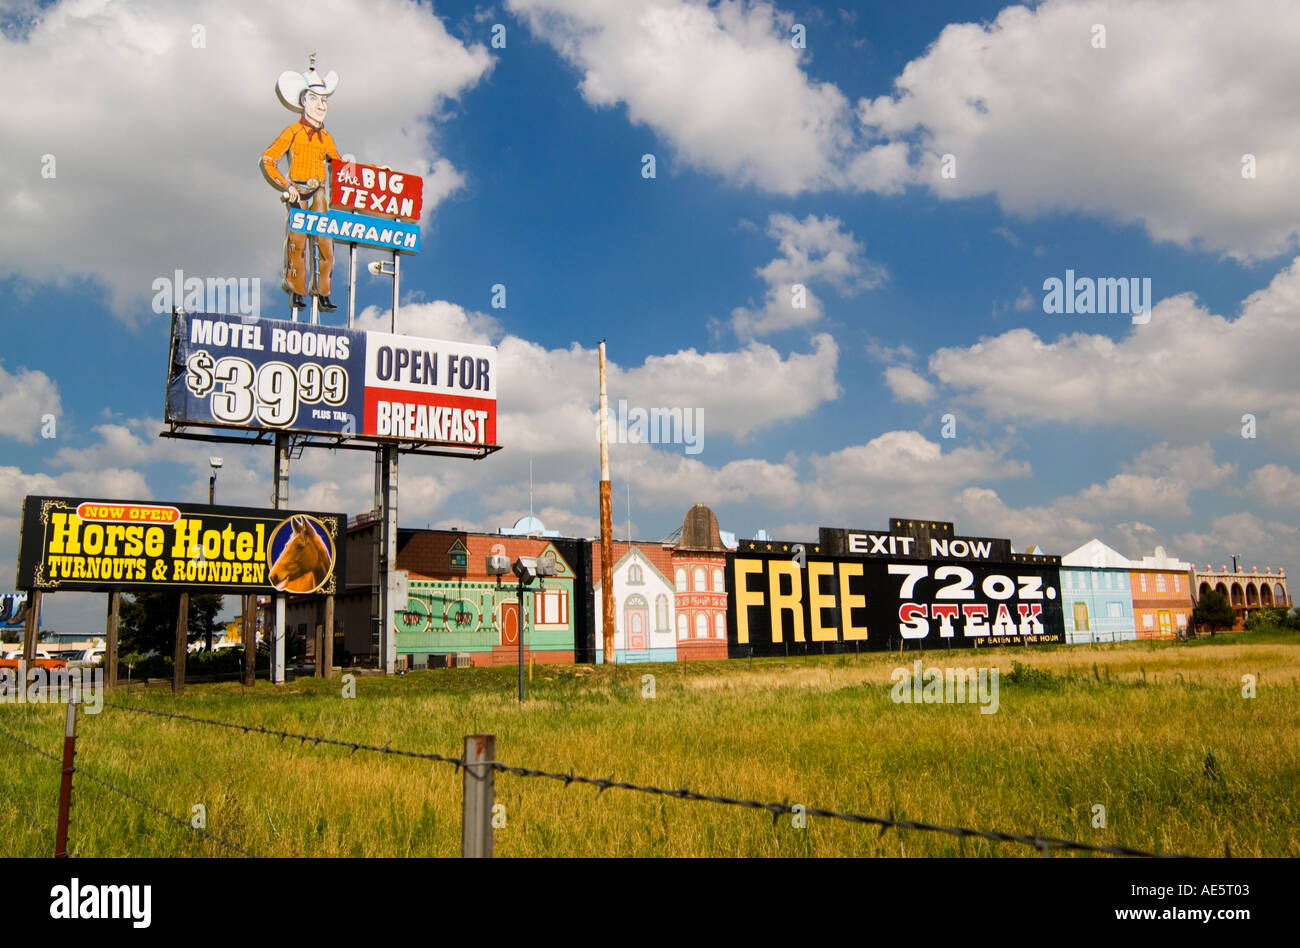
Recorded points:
661,614
1238,599
681,625
634,575
680,577
1279,595
1252,595
718,584
699,579
720,625
701,625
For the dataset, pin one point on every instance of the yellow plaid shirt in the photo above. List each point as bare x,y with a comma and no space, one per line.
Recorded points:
308,147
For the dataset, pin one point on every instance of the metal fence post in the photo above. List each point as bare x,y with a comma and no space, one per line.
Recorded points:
65,786
479,785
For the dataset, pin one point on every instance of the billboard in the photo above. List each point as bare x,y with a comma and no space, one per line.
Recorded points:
356,229
13,607
378,192
86,545
272,374
792,599
377,207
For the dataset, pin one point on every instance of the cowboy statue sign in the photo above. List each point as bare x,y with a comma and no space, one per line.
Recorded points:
307,184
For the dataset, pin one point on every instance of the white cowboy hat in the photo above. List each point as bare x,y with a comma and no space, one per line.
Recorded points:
291,85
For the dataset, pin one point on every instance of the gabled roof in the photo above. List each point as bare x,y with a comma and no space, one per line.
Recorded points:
1096,555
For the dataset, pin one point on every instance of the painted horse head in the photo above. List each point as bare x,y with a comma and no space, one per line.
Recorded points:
304,562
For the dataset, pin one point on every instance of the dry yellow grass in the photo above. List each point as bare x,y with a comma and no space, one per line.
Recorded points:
1159,734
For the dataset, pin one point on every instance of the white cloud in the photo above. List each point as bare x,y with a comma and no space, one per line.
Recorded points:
1188,374
437,319
662,479
907,385
815,249
1275,485
902,473
740,392
26,397
722,84
1150,130
1258,542
196,121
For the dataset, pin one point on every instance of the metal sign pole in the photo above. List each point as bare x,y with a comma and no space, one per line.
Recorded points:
386,529
519,637
280,499
352,283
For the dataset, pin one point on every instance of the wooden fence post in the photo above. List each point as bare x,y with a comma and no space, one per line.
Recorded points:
479,790
65,784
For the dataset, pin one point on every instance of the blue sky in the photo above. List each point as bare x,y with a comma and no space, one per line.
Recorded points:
774,165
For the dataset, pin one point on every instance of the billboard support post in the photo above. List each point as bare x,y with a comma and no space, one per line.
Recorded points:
385,605
33,625
280,499
606,523
182,645
248,628
110,635
352,284
327,646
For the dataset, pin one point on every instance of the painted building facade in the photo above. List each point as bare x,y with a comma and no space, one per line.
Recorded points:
455,611
1097,595
643,605
1162,595
675,591
1246,590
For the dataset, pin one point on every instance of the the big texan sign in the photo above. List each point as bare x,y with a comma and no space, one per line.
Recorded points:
73,543
915,585
242,372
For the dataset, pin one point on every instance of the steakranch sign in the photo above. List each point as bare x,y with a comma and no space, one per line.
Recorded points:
84,545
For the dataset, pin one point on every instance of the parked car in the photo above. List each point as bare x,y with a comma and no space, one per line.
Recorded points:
86,658
43,660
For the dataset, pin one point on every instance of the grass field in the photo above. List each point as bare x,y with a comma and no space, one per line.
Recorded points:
1158,733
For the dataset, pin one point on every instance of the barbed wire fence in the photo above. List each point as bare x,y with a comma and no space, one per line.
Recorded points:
476,822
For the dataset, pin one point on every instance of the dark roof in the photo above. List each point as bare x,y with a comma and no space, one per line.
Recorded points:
700,531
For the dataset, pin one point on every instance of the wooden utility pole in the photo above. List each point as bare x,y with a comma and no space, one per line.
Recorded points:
182,645
606,523
110,647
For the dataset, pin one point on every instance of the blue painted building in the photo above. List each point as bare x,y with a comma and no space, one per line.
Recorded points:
1097,595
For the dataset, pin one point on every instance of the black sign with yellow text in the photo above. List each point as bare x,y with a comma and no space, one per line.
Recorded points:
76,544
